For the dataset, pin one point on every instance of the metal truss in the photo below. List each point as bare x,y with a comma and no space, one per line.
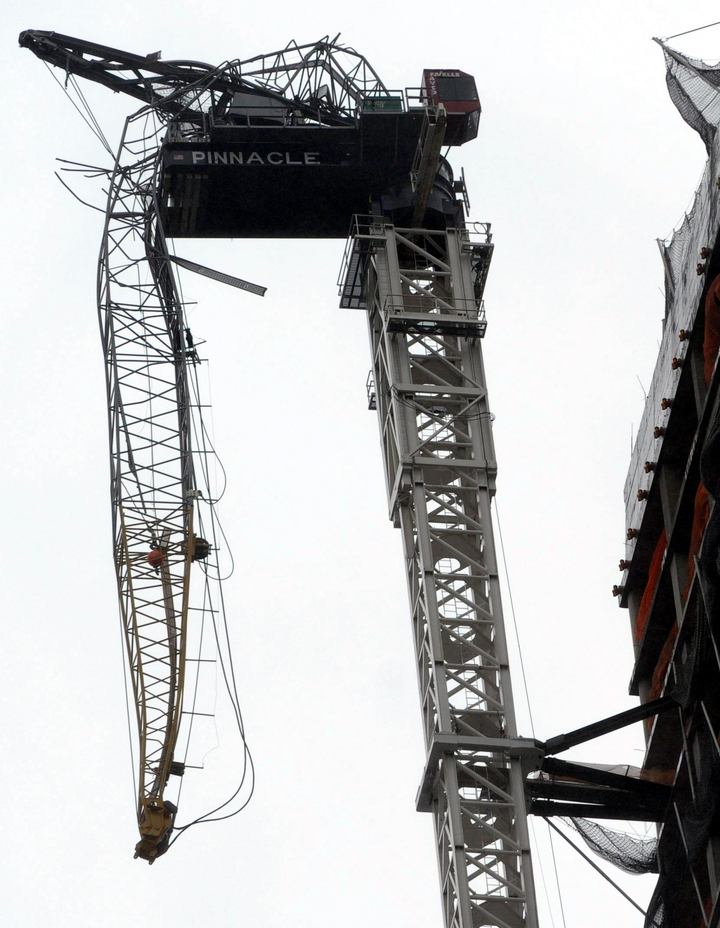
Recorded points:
153,486
421,292
332,76
323,81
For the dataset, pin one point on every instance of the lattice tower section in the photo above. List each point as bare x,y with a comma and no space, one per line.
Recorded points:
435,426
152,477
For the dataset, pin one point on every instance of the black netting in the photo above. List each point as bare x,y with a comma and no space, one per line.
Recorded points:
628,852
698,820
689,671
688,111
692,85
655,915
678,248
709,568
694,88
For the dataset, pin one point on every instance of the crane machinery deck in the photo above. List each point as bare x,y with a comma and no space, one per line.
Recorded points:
306,142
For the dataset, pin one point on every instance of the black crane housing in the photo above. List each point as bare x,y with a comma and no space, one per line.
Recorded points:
287,145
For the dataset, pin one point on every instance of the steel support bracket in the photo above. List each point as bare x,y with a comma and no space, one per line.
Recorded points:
605,726
528,750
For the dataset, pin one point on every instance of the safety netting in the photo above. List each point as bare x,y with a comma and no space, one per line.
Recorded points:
679,249
630,853
696,820
694,816
694,88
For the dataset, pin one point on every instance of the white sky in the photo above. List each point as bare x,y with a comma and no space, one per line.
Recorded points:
582,161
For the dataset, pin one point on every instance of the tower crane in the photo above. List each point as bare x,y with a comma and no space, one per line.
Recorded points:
304,142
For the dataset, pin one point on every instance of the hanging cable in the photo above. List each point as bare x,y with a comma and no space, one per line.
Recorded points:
195,692
594,866
129,723
699,29
204,450
557,876
527,699
97,132
538,857
91,116
514,618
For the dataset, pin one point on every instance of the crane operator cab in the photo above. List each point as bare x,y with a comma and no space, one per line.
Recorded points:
457,92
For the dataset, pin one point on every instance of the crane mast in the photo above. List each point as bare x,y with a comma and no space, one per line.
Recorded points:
317,122
421,288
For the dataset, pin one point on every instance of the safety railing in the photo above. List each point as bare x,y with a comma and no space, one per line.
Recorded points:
385,101
426,303
416,97
364,232
370,388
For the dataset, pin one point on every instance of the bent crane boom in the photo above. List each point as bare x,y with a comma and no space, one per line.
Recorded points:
153,484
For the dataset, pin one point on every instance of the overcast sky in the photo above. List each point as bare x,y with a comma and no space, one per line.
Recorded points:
581,163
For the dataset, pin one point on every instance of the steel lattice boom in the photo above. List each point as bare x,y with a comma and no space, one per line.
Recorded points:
158,445
153,484
325,81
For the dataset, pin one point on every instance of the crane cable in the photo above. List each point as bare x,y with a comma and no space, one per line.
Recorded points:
222,637
595,867
205,446
699,29
532,728
89,119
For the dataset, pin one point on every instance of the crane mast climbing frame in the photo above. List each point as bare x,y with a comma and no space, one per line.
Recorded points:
422,291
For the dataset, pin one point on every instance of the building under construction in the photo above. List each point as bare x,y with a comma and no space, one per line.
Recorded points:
671,577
